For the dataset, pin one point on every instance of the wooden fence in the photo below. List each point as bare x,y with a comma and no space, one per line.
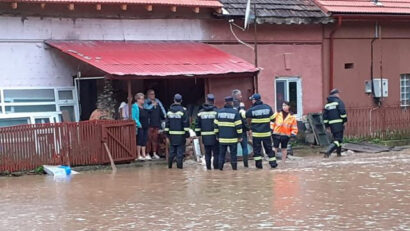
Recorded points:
27,147
378,122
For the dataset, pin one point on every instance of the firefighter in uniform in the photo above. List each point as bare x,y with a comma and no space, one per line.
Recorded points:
228,129
261,116
240,106
334,116
205,127
177,128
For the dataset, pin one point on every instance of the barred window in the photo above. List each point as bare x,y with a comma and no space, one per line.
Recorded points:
405,90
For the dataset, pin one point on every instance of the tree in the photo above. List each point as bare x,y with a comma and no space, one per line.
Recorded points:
106,102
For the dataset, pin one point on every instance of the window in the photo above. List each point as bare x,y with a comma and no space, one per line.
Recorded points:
28,95
39,105
6,122
349,65
289,89
405,90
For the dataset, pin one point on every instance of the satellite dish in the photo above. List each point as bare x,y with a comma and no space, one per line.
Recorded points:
247,13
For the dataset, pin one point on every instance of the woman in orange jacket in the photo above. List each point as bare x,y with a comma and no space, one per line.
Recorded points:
284,127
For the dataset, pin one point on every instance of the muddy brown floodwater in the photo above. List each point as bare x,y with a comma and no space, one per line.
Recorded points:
358,192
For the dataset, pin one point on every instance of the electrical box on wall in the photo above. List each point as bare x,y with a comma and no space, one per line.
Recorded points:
381,87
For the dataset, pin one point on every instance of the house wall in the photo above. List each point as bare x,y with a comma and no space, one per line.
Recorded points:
44,66
352,45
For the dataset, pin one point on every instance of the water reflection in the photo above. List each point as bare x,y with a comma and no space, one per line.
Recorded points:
361,192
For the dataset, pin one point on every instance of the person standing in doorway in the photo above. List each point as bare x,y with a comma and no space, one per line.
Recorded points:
123,110
334,117
228,130
140,116
240,107
177,129
156,115
261,115
284,127
205,127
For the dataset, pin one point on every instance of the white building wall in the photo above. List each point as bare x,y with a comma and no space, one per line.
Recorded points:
26,61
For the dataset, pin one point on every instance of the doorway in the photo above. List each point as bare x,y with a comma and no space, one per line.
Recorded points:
289,89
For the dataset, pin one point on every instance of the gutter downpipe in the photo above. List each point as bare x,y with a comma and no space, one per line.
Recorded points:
255,80
331,51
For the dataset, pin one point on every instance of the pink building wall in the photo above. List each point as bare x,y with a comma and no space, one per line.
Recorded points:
352,45
302,46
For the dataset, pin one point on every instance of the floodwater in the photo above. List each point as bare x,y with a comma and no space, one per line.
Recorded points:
357,192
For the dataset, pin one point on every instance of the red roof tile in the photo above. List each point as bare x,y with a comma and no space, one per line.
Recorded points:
192,3
365,6
154,58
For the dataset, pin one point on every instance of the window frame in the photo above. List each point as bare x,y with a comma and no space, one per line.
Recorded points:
406,78
298,81
57,103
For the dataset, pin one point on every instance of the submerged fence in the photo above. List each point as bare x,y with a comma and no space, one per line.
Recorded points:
27,147
379,122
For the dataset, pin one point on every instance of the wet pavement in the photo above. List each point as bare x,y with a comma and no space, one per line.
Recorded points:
357,192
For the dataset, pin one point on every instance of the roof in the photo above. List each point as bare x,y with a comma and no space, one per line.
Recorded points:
191,3
278,11
154,59
365,6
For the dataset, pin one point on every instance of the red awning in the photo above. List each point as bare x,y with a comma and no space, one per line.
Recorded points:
154,59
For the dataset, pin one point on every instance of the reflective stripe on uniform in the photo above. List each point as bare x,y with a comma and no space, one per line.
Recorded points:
335,121
261,134
257,158
226,124
272,159
175,113
197,129
243,113
238,122
260,121
228,140
166,129
216,130
325,121
176,132
343,116
239,131
281,134
186,129
332,104
273,117
207,113
337,143
207,133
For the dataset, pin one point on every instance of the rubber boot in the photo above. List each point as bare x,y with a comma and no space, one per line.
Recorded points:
180,163
170,163
258,164
339,151
221,165
234,166
216,165
208,165
329,150
245,161
273,164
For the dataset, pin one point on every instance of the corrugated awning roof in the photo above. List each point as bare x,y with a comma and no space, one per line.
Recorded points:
190,3
278,11
365,6
154,59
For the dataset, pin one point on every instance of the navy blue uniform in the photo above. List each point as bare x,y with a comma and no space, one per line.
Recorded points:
205,127
228,129
177,128
261,115
334,116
